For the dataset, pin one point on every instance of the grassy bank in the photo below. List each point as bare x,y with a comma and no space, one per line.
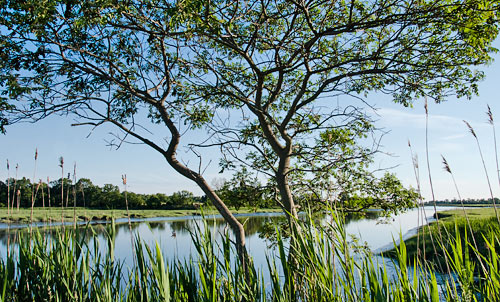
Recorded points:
85,214
432,240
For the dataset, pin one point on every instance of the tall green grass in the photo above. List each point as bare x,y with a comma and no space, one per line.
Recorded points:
325,267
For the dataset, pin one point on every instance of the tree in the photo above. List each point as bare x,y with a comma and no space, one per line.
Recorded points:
3,193
135,200
243,189
55,191
181,198
111,198
84,187
386,193
272,62
157,200
277,65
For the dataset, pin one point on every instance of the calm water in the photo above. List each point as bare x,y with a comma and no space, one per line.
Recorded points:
173,234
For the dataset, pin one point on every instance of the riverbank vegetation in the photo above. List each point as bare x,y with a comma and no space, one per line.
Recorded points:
466,202
240,191
477,227
23,216
325,267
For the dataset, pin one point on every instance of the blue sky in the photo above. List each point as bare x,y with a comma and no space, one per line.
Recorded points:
147,171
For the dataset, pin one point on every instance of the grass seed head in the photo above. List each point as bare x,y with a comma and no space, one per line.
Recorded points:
446,165
470,129
490,115
415,161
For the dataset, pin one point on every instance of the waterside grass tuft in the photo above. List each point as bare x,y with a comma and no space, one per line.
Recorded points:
483,226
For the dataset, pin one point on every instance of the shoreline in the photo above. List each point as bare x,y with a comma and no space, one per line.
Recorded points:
53,216
481,219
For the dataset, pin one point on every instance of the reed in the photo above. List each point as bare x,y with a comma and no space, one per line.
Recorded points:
33,198
8,188
18,196
491,121
61,165
420,216
14,192
124,181
326,266
48,190
8,205
469,226
67,191
473,133
441,239
74,195
43,195
33,190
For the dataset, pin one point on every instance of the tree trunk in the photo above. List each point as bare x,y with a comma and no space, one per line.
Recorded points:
171,158
236,226
292,216
284,187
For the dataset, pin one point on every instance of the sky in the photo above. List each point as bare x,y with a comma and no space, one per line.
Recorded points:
148,172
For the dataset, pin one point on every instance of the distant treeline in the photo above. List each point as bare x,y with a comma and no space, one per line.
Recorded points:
242,190
468,201
84,193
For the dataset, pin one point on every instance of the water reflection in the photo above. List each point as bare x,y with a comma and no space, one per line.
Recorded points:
174,234
261,225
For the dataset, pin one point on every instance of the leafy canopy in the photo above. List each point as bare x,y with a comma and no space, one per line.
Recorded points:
274,66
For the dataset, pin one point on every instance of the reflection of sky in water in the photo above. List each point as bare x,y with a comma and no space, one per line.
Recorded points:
376,232
379,233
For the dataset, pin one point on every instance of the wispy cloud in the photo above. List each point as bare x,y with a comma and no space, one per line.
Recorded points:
393,117
453,137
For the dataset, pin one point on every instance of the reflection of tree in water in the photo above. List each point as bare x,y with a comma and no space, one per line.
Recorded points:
11,236
124,227
262,225
370,215
254,225
268,228
182,227
155,225
8,236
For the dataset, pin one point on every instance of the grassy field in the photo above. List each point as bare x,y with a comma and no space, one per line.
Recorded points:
83,214
466,205
483,223
473,214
